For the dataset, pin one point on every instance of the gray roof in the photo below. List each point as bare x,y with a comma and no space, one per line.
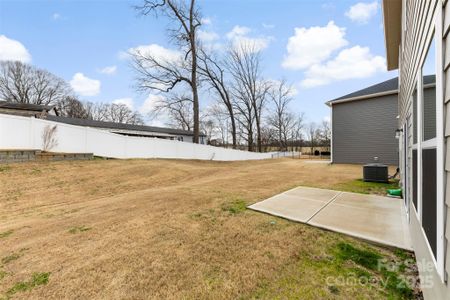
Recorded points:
119,126
390,85
25,106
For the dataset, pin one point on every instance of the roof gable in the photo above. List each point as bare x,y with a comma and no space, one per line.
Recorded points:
386,87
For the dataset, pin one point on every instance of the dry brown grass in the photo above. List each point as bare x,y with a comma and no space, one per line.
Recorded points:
159,228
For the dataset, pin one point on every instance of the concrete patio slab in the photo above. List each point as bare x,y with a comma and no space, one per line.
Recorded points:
374,218
299,204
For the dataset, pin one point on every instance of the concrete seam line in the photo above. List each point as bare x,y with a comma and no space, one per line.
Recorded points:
332,200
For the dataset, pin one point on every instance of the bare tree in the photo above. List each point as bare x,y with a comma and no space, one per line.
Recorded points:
178,109
49,139
73,108
162,74
313,133
281,119
297,132
249,88
214,71
23,83
325,133
208,128
120,113
109,112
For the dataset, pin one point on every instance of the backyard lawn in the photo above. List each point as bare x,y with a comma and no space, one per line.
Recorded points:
137,229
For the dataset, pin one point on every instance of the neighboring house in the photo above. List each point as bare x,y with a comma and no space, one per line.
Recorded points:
364,123
27,110
418,43
50,113
133,130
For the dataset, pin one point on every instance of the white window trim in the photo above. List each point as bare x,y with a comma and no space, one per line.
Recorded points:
438,143
440,153
419,133
431,143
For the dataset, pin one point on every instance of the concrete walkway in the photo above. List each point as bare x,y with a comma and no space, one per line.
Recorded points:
374,218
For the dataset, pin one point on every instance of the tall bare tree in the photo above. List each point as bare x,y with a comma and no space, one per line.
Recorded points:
178,109
325,133
120,113
297,132
110,112
158,73
313,134
249,88
24,83
73,108
281,118
213,70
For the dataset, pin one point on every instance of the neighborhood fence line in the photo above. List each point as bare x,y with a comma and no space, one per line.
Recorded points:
17,132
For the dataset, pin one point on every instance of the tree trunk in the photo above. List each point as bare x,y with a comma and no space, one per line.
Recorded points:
194,75
233,132
233,126
250,140
258,133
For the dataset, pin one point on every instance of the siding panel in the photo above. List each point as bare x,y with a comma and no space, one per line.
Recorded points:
365,129
418,34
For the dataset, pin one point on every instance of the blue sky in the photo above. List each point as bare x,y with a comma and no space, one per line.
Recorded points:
337,48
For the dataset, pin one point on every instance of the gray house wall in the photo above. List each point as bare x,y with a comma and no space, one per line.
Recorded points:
364,129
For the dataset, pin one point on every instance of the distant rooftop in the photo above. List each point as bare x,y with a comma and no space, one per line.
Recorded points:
118,126
387,86
21,109
25,106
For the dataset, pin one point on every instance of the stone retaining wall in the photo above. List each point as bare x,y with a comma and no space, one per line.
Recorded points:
13,156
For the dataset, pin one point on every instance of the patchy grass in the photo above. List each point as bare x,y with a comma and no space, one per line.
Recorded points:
342,268
362,187
3,274
6,233
174,229
78,229
367,258
4,168
235,207
37,279
10,258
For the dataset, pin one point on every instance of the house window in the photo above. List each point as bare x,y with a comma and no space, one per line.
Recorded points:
428,145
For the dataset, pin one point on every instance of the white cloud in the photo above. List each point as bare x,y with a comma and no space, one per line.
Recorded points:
110,70
239,37
128,102
238,31
206,21
207,36
355,62
313,45
150,103
160,53
85,86
56,16
362,12
13,50
268,26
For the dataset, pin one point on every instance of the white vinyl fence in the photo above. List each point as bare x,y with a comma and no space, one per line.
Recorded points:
26,133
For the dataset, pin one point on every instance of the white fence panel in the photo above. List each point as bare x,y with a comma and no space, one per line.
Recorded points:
26,133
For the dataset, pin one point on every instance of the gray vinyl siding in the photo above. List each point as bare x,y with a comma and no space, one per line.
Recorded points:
446,80
416,36
365,129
